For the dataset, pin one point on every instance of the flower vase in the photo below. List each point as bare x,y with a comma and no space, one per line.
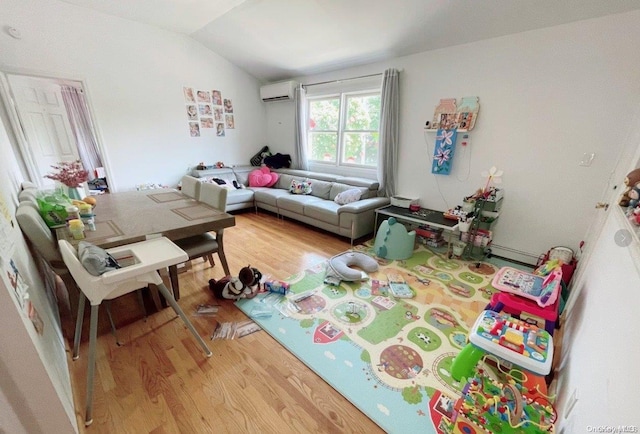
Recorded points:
74,193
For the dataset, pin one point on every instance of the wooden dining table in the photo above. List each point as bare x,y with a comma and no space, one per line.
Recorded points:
132,216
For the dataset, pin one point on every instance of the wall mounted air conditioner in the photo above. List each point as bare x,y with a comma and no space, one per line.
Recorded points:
278,91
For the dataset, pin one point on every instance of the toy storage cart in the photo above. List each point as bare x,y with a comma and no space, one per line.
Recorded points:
476,247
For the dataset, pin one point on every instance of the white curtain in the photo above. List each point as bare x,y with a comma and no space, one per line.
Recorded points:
82,127
300,151
388,148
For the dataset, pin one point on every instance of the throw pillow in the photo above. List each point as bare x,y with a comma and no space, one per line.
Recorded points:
348,196
300,187
96,260
262,177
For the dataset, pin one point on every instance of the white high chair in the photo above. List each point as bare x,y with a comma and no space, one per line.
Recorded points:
147,257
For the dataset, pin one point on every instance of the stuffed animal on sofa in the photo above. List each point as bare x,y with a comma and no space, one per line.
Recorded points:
246,285
630,181
262,177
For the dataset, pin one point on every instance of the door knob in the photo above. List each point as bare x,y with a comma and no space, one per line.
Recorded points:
601,205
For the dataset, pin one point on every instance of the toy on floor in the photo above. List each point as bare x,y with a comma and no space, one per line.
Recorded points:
542,290
246,285
508,338
340,267
393,241
398,286
276,286
488,405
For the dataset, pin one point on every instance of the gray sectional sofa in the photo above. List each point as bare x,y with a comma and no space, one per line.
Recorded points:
352,220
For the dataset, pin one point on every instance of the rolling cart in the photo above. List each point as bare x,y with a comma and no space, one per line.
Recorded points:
478,249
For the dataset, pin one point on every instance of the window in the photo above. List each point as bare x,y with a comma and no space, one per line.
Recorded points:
343,129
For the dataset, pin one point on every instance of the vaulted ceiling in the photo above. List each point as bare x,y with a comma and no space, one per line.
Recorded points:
280,39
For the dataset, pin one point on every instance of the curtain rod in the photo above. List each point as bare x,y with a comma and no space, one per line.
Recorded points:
344,79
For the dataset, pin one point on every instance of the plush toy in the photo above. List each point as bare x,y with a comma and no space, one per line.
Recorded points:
634,216
246,285
262,177
630,181
278,161
634,196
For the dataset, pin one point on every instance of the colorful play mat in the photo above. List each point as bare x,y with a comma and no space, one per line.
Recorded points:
389,356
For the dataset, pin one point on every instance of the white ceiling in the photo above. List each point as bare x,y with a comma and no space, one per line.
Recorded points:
280,39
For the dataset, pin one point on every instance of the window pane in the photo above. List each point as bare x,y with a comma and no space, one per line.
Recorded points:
323,146
361,148
363,112
324,114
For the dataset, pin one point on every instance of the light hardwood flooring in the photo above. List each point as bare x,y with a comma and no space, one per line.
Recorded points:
160,381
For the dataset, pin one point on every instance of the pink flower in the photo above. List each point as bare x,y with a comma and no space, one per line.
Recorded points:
445,136
442,156
70,173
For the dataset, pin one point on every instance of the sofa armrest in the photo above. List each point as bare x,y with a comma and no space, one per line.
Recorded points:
364,205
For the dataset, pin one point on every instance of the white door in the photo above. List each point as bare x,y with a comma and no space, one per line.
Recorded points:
45,124
628,159
597,376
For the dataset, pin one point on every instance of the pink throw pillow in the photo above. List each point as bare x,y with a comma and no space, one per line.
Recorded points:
262,177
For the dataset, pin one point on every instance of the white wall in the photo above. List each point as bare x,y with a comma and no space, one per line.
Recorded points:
135,74
546,97
35,389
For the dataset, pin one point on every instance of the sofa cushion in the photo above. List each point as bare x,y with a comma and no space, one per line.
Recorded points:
296,202
323,210
242,174
348,196
300,187
284,181
268,196
338,188
370,184
239,196
320,188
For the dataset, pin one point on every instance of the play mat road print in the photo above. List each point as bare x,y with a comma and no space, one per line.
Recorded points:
389,356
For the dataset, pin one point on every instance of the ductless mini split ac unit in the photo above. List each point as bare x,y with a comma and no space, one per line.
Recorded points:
282,91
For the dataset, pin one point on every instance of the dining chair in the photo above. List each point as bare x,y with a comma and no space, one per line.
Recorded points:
206,244
26,185
29,194
43,244
147,257
190,186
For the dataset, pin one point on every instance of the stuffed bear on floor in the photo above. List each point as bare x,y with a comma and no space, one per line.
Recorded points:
246,285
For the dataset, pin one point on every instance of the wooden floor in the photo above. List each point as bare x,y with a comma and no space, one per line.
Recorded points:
160,381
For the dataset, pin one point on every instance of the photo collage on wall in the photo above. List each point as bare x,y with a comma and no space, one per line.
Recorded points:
208,110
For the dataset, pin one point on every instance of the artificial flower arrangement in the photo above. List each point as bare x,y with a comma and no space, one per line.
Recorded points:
70,173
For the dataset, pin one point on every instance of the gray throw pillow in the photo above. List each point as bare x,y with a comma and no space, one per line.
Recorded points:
96,260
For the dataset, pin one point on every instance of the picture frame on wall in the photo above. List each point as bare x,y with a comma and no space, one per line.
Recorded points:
204,96
194,129
216,97
228,106
188,94
205,109
220,129
192,112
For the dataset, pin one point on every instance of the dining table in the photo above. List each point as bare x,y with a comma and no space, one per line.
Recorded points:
128,217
